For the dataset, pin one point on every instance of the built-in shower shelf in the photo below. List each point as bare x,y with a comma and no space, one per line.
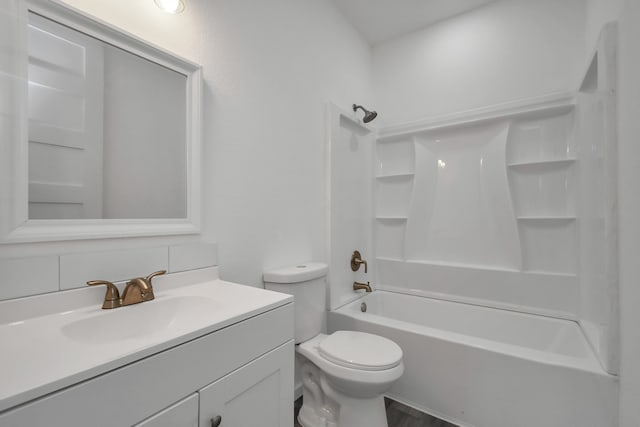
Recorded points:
396,175
556,162
546,218
390,259
547,273
391,218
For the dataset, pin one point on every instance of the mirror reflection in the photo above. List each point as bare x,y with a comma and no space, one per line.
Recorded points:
107,130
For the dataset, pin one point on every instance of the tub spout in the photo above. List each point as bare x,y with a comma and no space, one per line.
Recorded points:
357,286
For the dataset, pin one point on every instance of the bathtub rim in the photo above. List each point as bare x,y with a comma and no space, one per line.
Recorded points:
589,364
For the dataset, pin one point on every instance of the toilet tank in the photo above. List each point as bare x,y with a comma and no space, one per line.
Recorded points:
307,283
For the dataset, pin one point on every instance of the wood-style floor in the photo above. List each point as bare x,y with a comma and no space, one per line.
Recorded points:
398,415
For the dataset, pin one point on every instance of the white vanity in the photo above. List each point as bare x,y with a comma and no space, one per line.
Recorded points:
205,352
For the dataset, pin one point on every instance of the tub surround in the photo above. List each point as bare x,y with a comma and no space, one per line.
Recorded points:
501,186
598,225
349,159
527,188
62,345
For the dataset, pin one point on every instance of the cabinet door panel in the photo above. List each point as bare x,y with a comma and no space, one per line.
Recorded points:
182,414
260,394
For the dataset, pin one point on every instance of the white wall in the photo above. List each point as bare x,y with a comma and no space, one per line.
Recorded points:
271,67
181,34
629,203
505,51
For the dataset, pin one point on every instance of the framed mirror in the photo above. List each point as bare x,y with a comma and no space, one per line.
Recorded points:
109,141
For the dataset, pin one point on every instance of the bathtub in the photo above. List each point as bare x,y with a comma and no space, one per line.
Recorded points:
484,367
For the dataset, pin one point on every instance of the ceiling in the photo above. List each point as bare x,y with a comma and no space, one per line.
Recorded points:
381,20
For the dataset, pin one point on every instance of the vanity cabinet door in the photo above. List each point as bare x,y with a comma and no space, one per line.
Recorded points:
260,394
182,414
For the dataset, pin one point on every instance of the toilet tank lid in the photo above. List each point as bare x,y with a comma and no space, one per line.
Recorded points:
297,273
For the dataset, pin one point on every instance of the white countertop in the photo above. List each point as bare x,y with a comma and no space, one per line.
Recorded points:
44,350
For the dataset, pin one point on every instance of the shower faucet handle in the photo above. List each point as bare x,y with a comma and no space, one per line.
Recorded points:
356,260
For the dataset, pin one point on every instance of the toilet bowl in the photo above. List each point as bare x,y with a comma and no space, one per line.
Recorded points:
350,375
344,374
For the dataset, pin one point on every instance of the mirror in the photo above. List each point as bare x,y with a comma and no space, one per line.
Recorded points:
112,135
107,131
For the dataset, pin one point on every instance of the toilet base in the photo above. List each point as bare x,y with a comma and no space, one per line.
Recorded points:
368,414
325,406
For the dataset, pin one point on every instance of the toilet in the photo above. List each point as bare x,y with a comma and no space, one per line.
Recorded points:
344,374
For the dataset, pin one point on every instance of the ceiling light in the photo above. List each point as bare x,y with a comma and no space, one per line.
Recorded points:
170,6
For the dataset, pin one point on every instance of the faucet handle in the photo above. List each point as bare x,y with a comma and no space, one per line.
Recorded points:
111,297
356,260
152,275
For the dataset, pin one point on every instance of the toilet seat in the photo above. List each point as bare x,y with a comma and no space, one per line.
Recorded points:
361,383
360,350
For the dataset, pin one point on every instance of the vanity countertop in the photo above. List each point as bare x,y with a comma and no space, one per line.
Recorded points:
56,340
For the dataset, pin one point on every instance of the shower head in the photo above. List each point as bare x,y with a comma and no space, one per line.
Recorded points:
368,115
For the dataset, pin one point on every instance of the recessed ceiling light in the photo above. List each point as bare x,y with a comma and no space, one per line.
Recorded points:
170,6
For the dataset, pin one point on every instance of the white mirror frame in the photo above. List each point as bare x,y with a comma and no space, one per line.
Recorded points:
16,227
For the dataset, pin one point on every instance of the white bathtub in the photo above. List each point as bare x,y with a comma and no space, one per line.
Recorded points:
483,367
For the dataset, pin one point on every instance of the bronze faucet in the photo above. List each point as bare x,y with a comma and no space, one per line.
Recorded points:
136,291
357,286
112,297
356,260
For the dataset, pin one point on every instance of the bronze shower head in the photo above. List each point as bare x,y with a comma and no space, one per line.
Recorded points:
368,115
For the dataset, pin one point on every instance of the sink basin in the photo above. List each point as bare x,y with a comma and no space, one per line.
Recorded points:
140,320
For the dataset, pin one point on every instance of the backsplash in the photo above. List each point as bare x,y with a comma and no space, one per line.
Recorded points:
27,276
